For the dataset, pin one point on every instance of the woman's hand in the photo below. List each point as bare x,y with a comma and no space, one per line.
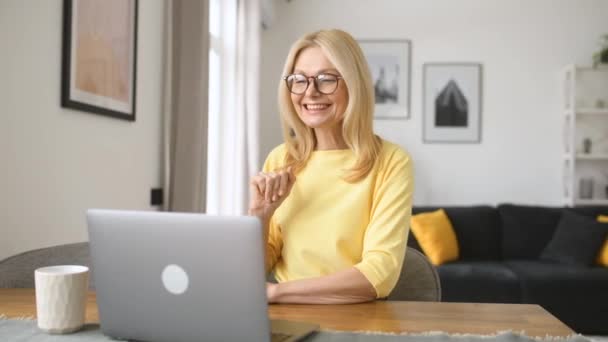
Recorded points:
271,290
268,191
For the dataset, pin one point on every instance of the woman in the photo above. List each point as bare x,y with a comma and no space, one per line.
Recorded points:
334,199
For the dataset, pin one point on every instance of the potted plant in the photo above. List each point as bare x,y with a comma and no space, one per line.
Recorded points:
601,56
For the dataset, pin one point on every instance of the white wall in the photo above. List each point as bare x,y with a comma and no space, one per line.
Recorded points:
522,45
56,162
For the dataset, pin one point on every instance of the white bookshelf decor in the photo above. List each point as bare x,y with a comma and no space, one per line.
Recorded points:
585,119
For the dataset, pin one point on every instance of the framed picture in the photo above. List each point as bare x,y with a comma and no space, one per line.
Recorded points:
99,57
452,102
390,65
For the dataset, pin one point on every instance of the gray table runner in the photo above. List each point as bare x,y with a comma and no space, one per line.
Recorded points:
15,330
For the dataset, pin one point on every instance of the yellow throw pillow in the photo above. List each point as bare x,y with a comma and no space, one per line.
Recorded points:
436,236
602,257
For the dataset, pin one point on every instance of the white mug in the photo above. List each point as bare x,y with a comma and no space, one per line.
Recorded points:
61,298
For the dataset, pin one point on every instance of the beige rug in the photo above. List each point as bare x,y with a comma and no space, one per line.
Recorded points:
18,330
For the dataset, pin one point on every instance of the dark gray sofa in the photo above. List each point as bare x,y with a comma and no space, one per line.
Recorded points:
500,249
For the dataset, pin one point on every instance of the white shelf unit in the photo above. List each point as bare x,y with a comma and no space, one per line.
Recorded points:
592,156
593,201
591,111
585,116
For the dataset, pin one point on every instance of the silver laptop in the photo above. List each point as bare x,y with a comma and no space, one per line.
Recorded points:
182,277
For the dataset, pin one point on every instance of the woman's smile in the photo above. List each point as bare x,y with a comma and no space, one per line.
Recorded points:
317,108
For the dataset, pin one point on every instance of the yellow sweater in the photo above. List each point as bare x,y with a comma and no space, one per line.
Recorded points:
328,225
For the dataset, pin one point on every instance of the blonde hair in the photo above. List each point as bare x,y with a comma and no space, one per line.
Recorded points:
357,126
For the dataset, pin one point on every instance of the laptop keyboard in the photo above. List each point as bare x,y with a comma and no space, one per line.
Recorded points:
278,337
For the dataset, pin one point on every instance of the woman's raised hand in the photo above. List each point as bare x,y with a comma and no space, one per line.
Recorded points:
269,190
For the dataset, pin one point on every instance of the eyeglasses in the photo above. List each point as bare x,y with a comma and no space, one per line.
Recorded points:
324,83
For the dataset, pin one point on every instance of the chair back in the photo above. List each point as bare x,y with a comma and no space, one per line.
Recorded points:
18,271
419,280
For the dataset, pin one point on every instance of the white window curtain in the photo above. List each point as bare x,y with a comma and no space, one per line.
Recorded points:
233,142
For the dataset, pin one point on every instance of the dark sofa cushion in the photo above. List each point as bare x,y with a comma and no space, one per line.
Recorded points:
576,241
526,230
477,230
478,282
576,295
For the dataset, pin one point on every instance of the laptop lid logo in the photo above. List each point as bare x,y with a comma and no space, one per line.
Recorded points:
175,279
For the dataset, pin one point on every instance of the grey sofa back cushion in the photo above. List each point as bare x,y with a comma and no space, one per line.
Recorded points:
477,229
526,229
576,241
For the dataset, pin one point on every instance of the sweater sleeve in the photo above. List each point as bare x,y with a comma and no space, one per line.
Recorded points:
275,241
385,238
274,246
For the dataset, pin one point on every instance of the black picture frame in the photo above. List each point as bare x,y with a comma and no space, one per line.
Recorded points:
394,55
99,72
457,82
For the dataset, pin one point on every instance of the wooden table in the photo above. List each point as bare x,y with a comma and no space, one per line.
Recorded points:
375,316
